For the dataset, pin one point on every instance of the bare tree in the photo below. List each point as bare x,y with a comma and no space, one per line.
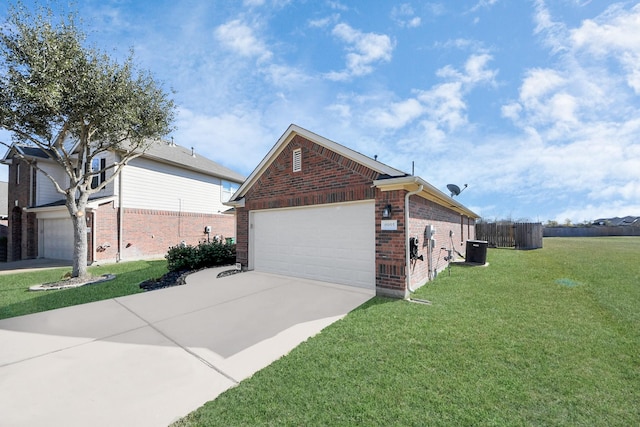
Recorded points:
75,104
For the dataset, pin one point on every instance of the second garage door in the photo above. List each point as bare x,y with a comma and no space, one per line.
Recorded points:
58,239
331,243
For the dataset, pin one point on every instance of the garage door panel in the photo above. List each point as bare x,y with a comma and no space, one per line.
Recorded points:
58,238
333,243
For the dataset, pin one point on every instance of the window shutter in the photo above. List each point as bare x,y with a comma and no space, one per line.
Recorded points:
297,160
103,175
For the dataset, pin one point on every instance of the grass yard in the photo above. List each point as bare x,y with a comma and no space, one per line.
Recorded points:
16,299
546,337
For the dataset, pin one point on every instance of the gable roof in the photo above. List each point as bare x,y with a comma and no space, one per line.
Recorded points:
163,151
389,178
25,150
289,134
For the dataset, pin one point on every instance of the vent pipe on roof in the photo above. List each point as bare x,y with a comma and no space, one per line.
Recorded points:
193,153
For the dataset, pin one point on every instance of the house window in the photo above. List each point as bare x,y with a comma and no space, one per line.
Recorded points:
18,174
98,165
297,160
227,188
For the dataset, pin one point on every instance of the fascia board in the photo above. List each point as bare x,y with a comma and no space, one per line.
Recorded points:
429,192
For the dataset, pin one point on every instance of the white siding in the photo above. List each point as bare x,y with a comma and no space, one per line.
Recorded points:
109,190
153,185
46,192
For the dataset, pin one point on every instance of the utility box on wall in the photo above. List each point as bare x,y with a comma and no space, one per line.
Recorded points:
476,251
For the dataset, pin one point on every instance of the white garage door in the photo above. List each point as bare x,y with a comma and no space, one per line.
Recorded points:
331,243
57,239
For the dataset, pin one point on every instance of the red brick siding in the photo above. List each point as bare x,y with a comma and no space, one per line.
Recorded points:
23,228
242,236
326,177
390,249
149,233
425,212
106,232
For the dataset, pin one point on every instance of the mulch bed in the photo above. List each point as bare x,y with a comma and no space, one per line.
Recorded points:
72,282
177,278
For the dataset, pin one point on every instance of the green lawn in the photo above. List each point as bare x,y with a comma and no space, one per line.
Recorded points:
547,337
16,299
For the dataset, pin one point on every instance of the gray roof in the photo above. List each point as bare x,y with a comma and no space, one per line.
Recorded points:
172,153
618,222
162,151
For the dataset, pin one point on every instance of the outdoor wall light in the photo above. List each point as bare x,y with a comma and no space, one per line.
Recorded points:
386,212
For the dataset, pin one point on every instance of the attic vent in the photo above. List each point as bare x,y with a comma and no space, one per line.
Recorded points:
297,160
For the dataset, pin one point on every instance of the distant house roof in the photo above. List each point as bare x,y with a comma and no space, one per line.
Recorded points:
25,150
163,151
619,222
172,153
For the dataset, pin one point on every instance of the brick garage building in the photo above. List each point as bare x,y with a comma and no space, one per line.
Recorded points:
316,209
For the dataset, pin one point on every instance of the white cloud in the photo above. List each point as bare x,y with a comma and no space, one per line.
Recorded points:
222,137
437,111
614,34
324,22
364,50
538,83
284,76
554,33
240,38
337,5
483,4
397,115
404,16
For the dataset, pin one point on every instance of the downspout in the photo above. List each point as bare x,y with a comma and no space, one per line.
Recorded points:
406,234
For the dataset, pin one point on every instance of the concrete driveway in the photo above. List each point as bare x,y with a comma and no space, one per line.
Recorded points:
151,358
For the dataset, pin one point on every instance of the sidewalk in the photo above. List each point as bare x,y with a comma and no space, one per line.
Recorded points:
31,265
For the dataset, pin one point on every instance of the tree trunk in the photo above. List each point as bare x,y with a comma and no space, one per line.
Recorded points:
79,245
78,219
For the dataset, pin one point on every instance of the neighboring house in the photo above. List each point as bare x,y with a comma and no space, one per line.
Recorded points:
4,188
627,221
167,196
316,209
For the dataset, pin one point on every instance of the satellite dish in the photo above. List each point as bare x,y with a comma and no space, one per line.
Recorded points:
455,190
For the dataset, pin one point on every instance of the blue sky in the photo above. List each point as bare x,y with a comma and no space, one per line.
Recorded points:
534,104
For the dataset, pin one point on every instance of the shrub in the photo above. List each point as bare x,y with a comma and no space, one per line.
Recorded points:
208,254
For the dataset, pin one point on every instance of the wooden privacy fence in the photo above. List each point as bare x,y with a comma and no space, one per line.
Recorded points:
520,235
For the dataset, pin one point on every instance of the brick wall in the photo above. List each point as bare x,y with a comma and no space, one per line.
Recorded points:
150,233
390,246
326,177
105,229
425,212
19,245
